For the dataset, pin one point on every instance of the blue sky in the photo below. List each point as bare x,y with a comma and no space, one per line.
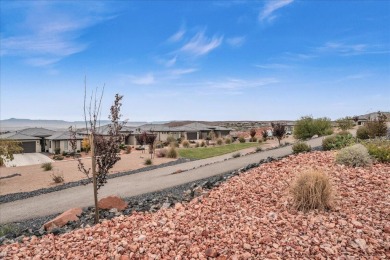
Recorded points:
196,60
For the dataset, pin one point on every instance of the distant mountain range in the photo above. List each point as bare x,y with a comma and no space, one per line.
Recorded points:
14,124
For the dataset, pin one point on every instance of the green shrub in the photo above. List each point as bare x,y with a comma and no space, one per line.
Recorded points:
345,123
258,149
312,190
122,146
301,147
228,141
379,149
253,139
362,133
236,155
64,153
219,141
377,127
172,153
47,166
57,150
337,142
355,156
6,229
185,144
241,139
307,127
148,161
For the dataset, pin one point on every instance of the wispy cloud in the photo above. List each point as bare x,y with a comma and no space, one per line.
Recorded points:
345,49
273,66
201,45
179,72
236,41
49,33
146,79
267,13
177,36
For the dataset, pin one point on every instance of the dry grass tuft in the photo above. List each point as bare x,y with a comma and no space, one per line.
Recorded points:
312,190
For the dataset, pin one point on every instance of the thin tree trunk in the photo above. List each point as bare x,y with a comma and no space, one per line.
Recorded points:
94,179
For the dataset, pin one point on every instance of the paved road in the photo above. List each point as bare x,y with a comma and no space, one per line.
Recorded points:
27,159
131,185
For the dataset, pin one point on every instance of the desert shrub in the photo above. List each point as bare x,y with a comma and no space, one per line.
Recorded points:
307,127
241,139
161,153
258,149
171,139
47,166
344,132
312,190
379,149
197,145
362,133
57,177
301,147
236,155
219,141
148,161
203,144
128,149
6,229
355,156
345,123
64,153
57,151
337,142
122,146
172,153
159,145
253,139
58,157
377,127
228,141
185,144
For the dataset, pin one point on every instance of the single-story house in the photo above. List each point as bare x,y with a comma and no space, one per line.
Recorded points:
30,144
196,131
61,140
103,130
40,133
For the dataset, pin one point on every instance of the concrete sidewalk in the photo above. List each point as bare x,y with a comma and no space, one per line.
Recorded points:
132,185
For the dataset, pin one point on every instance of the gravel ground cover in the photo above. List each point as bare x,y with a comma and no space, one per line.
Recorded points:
247,217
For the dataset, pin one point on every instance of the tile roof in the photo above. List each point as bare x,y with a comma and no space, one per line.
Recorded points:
37,131
18,136
65,135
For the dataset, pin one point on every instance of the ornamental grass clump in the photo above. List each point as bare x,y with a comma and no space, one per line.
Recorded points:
148,161
172,153
312,190
185,144
219,141
47,166
355,156
301,147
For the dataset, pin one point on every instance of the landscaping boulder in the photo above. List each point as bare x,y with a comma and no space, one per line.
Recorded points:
63,219
112,202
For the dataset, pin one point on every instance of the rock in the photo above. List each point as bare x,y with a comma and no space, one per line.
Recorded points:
63,219
166,205
247,246
386,229
111,202
141,238
133,248
211,252
246,255
314,136
361,243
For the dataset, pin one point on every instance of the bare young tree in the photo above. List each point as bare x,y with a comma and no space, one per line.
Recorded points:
278,130
104,149
73,139
149,140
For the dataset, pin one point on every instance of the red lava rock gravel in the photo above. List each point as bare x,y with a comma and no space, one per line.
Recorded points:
248,217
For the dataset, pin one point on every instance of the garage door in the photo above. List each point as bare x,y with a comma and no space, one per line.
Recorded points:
192,136
29,147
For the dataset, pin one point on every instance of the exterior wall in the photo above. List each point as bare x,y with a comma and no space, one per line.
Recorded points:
38,147
62,145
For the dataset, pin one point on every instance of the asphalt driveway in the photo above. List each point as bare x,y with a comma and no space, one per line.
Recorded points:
27,159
